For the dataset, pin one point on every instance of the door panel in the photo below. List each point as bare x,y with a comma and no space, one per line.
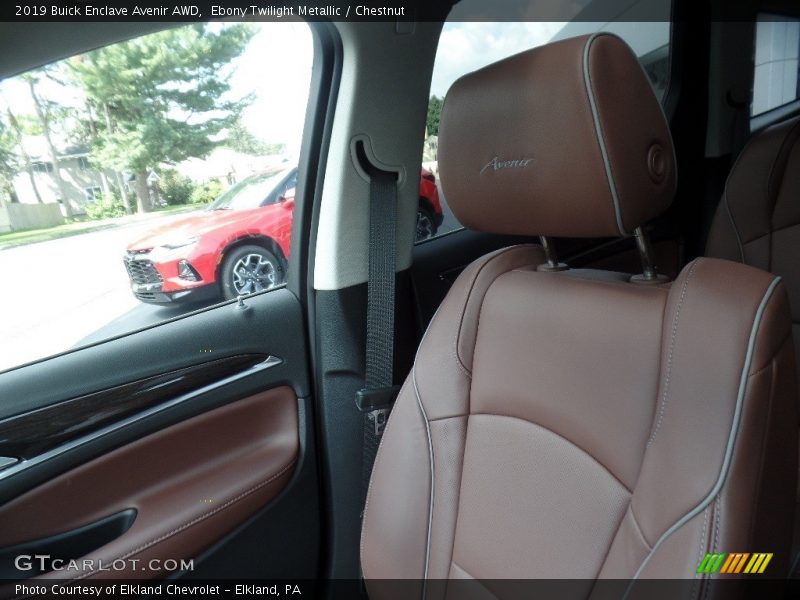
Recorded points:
29,435
189,485
196,337
193,438
202,426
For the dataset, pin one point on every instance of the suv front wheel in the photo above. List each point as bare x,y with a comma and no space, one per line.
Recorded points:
251,269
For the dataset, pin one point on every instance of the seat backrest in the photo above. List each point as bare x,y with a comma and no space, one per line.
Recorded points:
575,424
758,218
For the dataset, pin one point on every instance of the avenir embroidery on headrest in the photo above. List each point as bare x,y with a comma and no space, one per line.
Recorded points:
496,164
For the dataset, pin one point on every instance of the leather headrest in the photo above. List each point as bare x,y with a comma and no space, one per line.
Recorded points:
564,140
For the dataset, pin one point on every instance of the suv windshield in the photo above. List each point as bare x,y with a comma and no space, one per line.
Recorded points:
248,193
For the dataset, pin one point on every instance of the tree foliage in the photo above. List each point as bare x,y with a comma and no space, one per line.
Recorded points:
9,162
20,153
49,114
161,98
239,138
434,114
207,192
29,124
175,188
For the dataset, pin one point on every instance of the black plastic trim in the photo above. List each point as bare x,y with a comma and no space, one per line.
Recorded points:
61,548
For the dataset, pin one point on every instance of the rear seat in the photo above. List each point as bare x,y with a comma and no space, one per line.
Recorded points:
758,222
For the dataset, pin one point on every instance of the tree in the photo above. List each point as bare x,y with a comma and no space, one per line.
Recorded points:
242,140
16,128
434,114
161,96
8,163
46,113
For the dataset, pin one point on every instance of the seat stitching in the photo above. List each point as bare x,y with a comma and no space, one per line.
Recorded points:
717,519
610,545
700,552
711,549
475,579
778,155
733,224
782,151
670,354
599,136
740,159
769,364
731,436
770,179
771,231
467,297
447,418
616,285
197,519
372,479
431,495
768,417
458,499
638,527
566,439
413,378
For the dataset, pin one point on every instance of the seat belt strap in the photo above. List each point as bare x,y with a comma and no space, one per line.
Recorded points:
378,395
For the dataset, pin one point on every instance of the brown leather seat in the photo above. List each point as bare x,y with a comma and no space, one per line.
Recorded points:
758,219
758,222
575,424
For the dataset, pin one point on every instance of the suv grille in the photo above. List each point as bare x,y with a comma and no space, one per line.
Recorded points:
146,296
142,271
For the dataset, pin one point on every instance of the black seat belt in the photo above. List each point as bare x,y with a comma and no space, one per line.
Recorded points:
376,398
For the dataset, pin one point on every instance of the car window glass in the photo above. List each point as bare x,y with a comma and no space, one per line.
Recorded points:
777,50
467,46
109,162
292,182
248,193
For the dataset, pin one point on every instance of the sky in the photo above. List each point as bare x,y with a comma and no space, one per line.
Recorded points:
275,67
465,47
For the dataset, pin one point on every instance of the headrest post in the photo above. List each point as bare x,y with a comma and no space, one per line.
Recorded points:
649,271
552,263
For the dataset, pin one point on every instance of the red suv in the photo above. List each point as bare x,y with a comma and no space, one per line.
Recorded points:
238,245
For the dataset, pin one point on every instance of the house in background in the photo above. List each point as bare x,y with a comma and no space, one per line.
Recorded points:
84,185
229,166
83,182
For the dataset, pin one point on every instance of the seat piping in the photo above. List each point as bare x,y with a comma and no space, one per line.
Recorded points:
731,437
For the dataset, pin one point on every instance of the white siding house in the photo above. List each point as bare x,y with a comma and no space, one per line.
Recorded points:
83,181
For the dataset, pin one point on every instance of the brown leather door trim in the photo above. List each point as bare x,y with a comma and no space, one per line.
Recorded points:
30,434
191,484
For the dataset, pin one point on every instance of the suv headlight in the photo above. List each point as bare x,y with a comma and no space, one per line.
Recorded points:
181,243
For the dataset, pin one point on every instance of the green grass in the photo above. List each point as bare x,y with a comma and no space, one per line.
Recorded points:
32,236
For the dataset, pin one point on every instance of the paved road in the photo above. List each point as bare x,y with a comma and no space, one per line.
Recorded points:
64,293
74,291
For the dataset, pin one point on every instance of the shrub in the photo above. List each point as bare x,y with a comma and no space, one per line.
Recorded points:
207,192
105,208
175,188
